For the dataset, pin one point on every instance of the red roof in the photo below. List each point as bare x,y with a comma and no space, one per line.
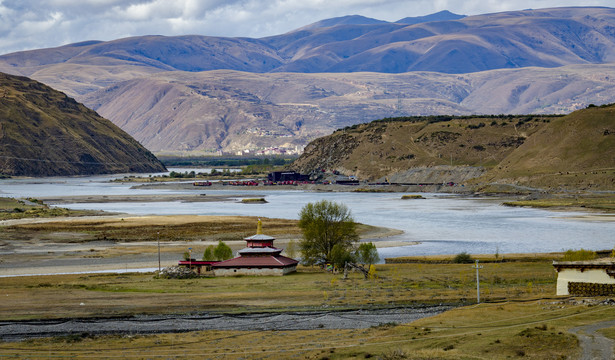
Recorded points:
266,261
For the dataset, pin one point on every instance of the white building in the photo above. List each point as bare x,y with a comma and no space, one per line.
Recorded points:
586,278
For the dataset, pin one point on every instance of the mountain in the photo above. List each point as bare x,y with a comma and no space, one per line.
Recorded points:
569,152
198,93
575,151
439,16
43,132
237,111
343,20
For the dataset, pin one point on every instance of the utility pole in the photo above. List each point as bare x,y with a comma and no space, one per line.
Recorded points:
158,238
477,282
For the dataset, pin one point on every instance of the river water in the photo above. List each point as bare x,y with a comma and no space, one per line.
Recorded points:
442,223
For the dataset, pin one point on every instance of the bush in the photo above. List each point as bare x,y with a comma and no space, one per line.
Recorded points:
579,255
463,258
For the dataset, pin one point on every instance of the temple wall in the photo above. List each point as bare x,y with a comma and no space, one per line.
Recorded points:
254,271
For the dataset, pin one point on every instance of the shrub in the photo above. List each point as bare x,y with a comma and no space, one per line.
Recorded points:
463,258
579,255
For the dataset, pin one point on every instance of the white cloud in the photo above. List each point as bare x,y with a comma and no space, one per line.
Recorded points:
29,24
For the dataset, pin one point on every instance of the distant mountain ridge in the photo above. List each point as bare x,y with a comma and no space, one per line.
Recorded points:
45,133
545,38
199,93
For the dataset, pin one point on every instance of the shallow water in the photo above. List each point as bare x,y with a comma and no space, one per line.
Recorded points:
444,224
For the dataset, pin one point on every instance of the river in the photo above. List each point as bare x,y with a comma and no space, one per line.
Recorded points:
442,223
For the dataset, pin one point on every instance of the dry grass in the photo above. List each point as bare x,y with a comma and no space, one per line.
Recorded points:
522,318
16,209
531,329
605,203
396,285
150,228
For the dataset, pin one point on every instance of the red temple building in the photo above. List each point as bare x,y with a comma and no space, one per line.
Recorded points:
260,257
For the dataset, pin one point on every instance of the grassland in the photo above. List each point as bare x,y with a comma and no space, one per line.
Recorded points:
519,319
18,209
602,203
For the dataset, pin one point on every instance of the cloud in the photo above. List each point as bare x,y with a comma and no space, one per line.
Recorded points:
31,24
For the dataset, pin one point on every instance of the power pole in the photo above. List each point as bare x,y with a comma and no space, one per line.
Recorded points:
158,237
477,282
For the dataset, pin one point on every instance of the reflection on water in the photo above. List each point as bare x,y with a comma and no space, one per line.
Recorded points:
444,224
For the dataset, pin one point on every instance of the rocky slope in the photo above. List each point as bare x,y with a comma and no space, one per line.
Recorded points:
43,132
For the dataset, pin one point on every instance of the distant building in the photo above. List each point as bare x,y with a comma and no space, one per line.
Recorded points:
278,176
585,278
258,258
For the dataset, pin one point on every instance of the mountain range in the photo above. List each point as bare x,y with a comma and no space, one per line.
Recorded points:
199,94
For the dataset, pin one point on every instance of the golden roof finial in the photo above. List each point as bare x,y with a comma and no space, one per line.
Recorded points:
259,227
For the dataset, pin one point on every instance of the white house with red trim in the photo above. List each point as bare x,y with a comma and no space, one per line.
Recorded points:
586,278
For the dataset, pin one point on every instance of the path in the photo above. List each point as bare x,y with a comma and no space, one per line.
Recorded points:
594,345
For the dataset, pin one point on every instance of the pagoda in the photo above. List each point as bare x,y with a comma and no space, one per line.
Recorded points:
259,257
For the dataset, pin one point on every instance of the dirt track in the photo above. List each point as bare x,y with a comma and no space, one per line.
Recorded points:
594,345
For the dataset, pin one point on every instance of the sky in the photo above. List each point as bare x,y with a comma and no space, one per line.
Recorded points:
33,24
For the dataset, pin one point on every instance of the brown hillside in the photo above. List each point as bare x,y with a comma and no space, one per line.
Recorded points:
43,132
576,151
387,148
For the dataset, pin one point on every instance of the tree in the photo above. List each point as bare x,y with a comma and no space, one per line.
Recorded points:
340,256
325,224
291,249
367,254
208,255
223,252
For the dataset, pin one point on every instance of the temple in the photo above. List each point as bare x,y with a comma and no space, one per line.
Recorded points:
259,257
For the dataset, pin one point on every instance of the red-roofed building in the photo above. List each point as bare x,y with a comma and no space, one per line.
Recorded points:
258,258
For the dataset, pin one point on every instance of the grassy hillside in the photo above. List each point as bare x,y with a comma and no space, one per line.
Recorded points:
572,152
576,151
43,132
388,147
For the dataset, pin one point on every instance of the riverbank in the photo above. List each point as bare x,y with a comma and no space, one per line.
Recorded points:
123,243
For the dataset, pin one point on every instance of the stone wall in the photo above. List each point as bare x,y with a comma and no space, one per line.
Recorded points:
587,276
254,271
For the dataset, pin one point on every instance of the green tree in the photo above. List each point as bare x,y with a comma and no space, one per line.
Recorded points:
340,256
367,254
325,224
223,252
208,255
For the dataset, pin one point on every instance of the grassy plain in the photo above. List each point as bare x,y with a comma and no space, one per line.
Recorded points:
598,202
18,209
520,317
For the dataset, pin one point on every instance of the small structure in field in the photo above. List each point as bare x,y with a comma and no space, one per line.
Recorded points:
586,278
259,257
197,265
